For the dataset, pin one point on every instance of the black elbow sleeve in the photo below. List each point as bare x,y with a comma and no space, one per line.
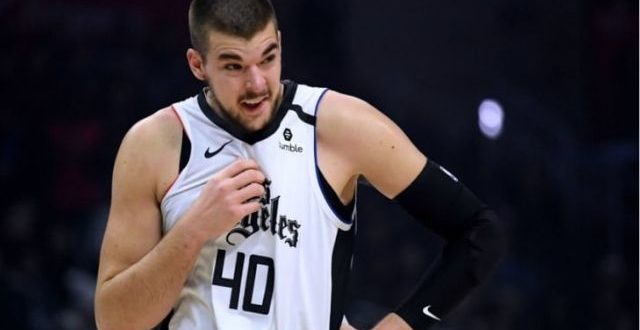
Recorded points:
475,243
440,201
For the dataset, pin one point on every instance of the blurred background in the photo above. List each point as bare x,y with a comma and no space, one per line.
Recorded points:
534,105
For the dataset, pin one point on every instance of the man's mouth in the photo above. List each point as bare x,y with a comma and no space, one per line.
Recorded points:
253,104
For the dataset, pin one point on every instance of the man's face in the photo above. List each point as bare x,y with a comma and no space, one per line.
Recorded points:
244,76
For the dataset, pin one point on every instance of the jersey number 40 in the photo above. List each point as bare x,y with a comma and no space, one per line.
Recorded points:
235,282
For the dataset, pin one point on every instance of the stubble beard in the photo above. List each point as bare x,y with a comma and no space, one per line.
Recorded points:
235,117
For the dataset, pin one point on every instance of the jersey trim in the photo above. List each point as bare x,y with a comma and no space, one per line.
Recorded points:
239,132
305,117
164,325
342,212
185,151
185,134
340,270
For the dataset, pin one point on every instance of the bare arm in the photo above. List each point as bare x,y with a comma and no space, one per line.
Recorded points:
356,139
141,273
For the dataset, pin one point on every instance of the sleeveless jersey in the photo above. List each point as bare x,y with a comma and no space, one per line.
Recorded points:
284,267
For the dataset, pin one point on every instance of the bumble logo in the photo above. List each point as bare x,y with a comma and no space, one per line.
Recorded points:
288,146
287,134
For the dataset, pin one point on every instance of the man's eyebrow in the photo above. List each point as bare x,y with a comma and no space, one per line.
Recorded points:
271,47
236,57
229,56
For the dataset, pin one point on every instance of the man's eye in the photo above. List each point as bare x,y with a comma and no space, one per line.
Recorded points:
269,59
232,67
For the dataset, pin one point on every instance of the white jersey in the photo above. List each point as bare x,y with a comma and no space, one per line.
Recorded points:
284,267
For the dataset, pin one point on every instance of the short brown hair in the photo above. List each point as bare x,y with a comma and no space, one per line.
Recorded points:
242,18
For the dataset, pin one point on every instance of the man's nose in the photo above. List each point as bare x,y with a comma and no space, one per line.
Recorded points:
256,81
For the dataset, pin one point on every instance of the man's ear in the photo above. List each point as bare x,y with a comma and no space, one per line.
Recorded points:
280,40
196,64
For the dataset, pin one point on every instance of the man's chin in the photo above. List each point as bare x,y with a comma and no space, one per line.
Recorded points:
256,122
253,125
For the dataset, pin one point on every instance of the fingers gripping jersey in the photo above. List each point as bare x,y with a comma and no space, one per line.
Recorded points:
285,266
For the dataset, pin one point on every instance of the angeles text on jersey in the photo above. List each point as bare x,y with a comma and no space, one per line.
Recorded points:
268,221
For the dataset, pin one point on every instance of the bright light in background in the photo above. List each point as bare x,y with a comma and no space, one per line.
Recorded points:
490,118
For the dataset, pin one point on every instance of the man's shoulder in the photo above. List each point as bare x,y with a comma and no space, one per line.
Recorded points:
163,127
342,113
155,138
150,150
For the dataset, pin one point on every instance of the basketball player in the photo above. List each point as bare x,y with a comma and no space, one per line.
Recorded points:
235,208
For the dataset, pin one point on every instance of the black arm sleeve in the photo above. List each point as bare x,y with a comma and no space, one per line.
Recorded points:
475,243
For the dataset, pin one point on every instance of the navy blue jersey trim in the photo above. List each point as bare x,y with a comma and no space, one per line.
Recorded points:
340,270
343,212
239,132
164,325
305,117
185,151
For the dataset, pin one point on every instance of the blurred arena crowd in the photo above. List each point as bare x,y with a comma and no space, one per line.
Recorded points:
563,175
